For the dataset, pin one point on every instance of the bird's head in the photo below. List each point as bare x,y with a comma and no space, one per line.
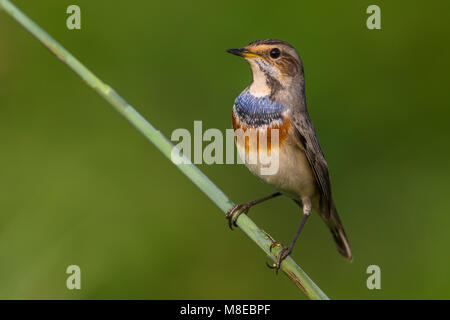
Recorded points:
275,64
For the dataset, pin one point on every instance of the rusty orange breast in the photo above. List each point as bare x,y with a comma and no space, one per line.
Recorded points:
256,136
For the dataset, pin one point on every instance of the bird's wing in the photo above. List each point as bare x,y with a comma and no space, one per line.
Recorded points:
307,140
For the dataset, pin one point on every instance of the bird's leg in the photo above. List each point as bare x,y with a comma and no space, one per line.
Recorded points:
286,251
243,208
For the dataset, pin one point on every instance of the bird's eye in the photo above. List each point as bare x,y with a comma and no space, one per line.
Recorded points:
275,53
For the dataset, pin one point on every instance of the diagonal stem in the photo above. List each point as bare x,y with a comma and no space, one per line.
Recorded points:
262,239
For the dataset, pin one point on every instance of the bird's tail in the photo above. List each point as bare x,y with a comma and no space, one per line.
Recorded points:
338,233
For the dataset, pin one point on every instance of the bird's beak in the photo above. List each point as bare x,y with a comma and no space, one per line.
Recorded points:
242,53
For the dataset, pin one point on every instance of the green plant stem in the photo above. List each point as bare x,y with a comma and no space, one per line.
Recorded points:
263,240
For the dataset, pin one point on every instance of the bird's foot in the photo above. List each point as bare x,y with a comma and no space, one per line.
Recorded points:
235,211
284,253
244,207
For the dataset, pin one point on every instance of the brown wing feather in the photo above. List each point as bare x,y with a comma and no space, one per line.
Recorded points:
309,142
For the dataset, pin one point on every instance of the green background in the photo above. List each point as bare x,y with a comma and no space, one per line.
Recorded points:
79,185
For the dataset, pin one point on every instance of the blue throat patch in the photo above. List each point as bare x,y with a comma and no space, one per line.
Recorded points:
257,111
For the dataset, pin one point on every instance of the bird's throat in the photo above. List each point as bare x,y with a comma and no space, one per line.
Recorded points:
260,87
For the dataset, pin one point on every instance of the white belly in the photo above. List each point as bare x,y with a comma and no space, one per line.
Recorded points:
294,176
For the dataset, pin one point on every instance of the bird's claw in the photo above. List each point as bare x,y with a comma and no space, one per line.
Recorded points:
276,244
232,216
284,253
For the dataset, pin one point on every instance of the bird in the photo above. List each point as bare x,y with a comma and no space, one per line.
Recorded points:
275,100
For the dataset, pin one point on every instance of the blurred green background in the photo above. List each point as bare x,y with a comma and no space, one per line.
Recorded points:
79,185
